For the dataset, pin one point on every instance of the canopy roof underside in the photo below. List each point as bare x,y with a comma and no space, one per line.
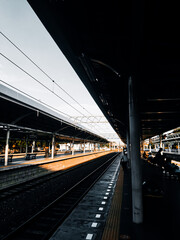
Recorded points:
106,42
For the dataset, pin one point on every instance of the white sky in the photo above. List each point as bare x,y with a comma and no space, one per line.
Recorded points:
19,23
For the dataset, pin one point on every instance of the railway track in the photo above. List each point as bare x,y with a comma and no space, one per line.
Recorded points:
42,224
29,184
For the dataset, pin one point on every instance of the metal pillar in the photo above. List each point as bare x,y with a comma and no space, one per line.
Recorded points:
7,147
128,149
160,141
163,147
169,147
91,147
52,150
136,168
72,147
84,149
26,146
33,146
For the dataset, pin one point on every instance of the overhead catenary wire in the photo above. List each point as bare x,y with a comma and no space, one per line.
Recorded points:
34,98
79,127
47,75
40,83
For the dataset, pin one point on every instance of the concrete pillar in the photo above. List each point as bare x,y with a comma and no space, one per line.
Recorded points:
53,147
136,167
7,147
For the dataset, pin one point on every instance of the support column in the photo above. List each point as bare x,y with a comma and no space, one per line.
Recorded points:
84,149
136,168
169,147
128,149
163,147
26,146
33,146
6,148
72,147
160,141
52,150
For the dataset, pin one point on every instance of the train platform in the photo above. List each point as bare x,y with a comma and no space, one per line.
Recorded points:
161,197
90,217
18,172
19,159
105,213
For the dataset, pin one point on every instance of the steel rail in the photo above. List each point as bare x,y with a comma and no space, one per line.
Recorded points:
58,219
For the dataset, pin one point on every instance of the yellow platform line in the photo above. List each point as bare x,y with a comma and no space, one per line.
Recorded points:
111,230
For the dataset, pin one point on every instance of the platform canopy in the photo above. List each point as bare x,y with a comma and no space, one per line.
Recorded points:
107,42
25,117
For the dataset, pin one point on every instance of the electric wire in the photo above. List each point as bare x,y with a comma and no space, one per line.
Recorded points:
43,85
33,98
43,72
80,128
45,75
39,82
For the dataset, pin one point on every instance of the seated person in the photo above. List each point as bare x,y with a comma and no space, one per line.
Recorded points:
159,157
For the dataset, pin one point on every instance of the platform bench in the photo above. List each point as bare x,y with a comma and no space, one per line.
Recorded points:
2,158
30,156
